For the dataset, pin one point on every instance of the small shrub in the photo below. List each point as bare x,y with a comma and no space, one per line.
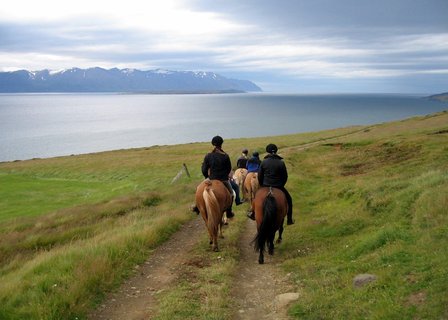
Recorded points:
152,201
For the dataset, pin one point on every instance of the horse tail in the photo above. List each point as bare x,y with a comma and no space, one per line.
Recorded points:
211,205
267,226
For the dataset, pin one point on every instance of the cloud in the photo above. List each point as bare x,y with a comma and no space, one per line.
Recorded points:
290,41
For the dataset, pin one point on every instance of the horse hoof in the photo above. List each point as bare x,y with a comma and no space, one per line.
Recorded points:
260,261
216,249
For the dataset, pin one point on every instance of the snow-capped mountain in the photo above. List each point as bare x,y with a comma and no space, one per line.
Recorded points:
121,80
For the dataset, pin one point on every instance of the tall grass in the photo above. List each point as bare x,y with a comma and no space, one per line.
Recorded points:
379,208
66,281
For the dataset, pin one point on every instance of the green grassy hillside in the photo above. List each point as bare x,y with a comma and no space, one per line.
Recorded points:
375,202
368,199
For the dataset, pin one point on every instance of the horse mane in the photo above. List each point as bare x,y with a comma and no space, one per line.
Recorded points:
211,205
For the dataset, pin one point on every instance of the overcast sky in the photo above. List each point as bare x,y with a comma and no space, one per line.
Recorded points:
303,46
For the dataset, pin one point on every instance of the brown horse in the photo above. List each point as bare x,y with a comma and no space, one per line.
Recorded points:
270,207
251,186
239,176
212,199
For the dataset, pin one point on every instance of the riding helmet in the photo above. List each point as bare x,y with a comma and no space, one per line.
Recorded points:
217,141
271,148
255,154
245,151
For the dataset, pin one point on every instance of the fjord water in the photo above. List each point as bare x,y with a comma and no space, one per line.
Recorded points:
48,125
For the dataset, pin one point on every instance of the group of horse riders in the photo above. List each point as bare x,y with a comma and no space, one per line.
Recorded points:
271,172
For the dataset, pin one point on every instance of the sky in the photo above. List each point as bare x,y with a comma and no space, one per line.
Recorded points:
294,46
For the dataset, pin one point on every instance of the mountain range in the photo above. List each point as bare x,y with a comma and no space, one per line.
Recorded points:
121,80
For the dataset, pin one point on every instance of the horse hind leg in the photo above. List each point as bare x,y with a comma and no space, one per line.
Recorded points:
271,248
220,230
214,237
216,233
271,244
210,236
280,232
215,247
261,257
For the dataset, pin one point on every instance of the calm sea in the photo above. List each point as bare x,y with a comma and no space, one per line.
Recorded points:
47,125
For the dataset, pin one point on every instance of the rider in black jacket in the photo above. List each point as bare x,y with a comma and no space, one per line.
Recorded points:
217,166
273,173
242,160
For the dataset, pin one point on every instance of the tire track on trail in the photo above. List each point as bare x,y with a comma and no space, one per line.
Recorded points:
254,293
327,139
135,299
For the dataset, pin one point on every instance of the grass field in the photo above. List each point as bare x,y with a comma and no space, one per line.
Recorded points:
367,200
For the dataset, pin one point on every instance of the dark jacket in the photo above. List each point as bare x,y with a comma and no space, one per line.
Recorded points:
272,172
216,165
241,162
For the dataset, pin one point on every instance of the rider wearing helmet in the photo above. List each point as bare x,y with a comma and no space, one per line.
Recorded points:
273,173
242,160
217,166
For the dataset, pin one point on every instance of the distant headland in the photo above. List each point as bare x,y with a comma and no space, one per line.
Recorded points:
440,97
121,80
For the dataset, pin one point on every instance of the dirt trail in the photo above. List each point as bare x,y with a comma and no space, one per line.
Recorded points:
135,298
254,296
258,287
259,291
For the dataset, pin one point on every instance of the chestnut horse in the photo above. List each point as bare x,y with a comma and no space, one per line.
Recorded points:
239,176
212,199
270,207
251,186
